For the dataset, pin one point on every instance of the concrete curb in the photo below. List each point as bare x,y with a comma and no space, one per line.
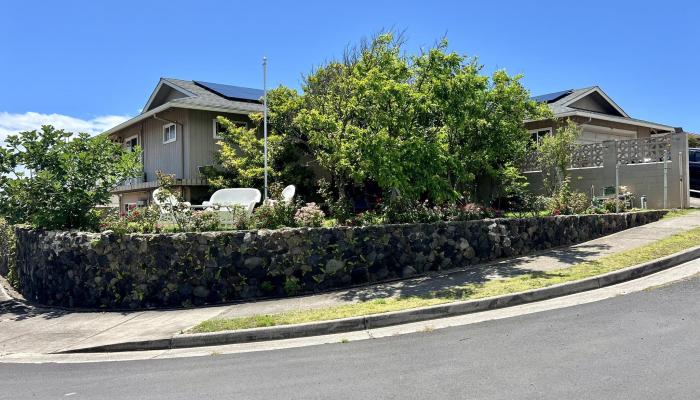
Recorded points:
398,317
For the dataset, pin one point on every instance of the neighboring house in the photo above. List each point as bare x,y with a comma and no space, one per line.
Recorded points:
177,132
598,116
646,160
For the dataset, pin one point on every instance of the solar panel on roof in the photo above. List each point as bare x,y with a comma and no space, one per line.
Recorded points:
232,92
551,97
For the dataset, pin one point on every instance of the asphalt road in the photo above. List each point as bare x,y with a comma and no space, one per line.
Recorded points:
643,345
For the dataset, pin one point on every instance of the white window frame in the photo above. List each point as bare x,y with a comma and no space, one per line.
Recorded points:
537,131
127,140
215,122
165,127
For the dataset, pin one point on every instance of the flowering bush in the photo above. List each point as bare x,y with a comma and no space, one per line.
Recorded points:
309,215
399,211
465,212
138,220
203,221
566,201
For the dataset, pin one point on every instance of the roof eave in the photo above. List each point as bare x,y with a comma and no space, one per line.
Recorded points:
169,105
611,118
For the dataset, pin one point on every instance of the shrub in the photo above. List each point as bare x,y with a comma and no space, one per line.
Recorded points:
529,204
368,218
613,205
554,155
70,175
204,221
337,206
309,215
274,215
400,210
138,220
596,210
463,212
567,202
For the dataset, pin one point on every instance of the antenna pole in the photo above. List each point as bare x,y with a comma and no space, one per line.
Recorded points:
264,63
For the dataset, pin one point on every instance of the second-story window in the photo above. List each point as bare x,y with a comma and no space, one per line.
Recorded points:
169,133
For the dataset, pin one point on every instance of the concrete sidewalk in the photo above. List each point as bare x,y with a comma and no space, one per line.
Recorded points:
26,329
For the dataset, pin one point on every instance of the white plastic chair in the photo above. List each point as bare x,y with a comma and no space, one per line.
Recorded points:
288,193
244,197
287,196
165,206
169,201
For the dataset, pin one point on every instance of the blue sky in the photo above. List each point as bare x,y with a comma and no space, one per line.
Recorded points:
87,65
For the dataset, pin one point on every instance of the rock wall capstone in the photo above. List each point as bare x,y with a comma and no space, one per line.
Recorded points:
108,270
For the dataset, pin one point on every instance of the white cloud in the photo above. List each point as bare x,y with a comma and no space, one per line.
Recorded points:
14,123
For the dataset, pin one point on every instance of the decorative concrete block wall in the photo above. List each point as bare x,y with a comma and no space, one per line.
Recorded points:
79,269
639,166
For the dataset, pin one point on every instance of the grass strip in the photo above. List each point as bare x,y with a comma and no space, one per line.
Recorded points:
534,280
678,212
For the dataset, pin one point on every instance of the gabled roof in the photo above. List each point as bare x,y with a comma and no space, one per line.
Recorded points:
569,100
195,93
591,102
178,93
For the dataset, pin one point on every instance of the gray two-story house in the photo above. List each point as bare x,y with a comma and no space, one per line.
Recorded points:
178,134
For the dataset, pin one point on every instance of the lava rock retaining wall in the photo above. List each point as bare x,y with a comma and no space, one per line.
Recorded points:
79,269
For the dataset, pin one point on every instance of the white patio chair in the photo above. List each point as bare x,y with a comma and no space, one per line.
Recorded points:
166,205
287,195
244,197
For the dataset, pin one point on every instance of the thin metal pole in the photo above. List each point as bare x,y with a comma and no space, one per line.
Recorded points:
665,178
617,187
265,118
680,182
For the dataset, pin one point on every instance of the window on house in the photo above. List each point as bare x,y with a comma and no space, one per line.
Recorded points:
218,129
537,135
131,143
169,133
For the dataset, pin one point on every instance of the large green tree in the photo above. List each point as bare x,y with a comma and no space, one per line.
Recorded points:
427,126
53,179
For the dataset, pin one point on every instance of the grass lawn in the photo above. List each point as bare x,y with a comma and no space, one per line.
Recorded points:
661,248
679,212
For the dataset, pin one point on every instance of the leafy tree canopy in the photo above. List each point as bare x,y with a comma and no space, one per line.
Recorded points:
53,179
427,126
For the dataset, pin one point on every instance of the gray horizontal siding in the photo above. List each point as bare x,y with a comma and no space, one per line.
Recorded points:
202,145
164,157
